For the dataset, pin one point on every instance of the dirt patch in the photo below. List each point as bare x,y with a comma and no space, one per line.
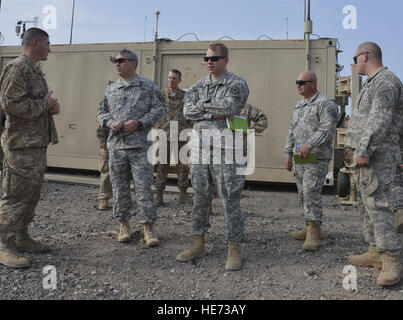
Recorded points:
91,264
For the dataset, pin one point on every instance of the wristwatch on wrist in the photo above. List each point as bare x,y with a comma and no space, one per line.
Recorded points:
140,126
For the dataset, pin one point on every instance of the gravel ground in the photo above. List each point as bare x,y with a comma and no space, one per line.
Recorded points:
90,263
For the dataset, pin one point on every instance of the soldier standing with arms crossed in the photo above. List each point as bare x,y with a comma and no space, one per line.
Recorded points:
373,138
29,128
173,116
208,102
130,107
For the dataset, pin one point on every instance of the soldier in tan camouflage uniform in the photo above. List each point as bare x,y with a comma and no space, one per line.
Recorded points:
105,187
373,137
130,107
208,102
173,118
29,128
313,124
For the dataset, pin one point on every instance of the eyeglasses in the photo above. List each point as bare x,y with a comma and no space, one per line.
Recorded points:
302,82
355,58
213,58
119,60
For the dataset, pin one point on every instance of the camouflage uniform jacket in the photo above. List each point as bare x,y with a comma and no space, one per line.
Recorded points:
174,112
255,115
313,123
205,98
136,99
376,119
22,95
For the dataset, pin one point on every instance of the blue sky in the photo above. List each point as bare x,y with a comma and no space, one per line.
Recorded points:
124,21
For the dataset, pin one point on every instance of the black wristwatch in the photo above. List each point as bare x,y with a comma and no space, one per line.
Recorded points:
140,126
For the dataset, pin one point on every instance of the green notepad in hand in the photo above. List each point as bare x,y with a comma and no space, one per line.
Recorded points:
311,158
238,123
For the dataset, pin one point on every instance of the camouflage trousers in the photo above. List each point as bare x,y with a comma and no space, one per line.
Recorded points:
105,187
229,187
310,179
24,170
162,172
374,184
397,189
125,164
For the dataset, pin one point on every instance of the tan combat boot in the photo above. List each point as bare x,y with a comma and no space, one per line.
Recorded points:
391,270
184,197
399,220
312,236
125,232
149,237
234,260
371,258
103,205
159,198
24,242
197,250
9,254
301,234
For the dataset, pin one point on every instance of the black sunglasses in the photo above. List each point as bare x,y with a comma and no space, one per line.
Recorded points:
355,58
213,58
302,82
119,60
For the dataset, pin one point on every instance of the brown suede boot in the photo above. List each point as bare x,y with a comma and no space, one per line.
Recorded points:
125,232
149,236
234,260
312,236
25,243
103,204
184,197
197,250
301,234
9,255
371,258
391,270
159,198
399,220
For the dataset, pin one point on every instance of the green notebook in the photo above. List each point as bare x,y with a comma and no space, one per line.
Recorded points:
239,123
311,158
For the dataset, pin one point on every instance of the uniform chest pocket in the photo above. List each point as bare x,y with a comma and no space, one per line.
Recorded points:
38,87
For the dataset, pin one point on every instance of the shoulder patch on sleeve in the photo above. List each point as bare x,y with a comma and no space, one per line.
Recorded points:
235,90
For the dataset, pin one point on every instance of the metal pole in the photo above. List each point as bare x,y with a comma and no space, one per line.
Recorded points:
72,20
155,57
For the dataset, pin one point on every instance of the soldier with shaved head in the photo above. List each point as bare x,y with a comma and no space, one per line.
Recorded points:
313,124
373,138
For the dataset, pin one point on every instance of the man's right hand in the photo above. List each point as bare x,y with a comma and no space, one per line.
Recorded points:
116,126
288,164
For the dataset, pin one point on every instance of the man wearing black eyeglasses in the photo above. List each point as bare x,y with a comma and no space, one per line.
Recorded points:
130,107
313,124
208,102
373,137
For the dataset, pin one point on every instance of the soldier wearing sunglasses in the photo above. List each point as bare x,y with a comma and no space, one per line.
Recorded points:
130,107
208,102
313,124
373,137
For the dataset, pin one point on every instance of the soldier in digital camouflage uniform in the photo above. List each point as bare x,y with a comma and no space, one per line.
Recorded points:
313,124
29,128
373,137
130,107
207,103
105,186
173,117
